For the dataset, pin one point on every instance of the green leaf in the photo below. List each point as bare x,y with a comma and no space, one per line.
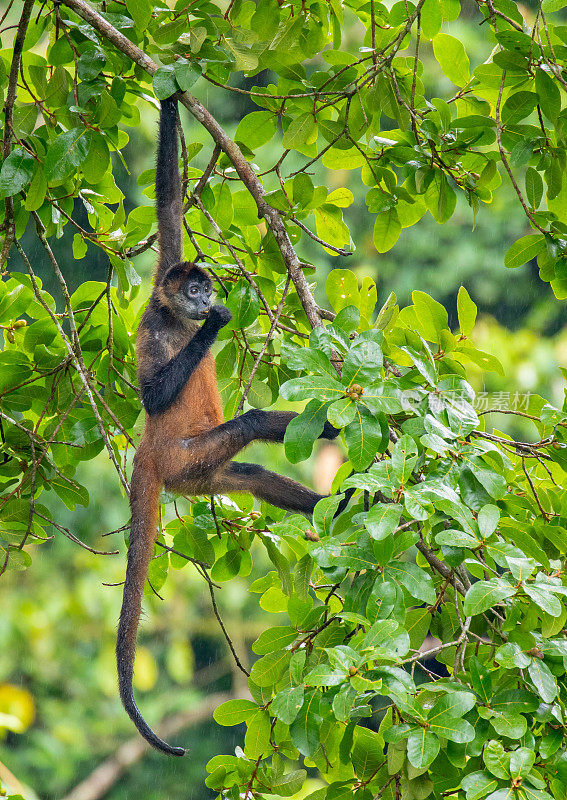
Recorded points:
466,310
363,363
331,226
288,784
456,730
367,752
414,579
287,703
70,492
341,412
308,358
548,94
478,785
382,520
342,288
303,190
453,705
223,211
515,701
256,129
228,565
456,538
387,229
488,518
502,794
305,729
164,82
363,437
234,712
521,762
186,74
543,599
343,702
383,398
141,12
276,638
311,386
534,187
245,59
258,732
16,172
423,747
67,153
484,594
497,760
324,675
543,680
193,542
267,670
440,198
303,430
452,58
431,18
524,249
404,458
518,106
300,132
481,680
324,513
98,158
244,304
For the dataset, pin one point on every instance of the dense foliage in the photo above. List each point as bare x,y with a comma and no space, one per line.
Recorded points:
424,652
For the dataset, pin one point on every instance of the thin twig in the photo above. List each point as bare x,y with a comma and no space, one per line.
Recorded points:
9,224
225,632
264,347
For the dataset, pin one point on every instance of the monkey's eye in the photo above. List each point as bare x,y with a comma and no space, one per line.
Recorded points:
194,291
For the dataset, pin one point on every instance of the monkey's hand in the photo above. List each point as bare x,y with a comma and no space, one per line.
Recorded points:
218,317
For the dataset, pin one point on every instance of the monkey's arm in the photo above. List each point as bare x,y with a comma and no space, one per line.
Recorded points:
168,187
160,389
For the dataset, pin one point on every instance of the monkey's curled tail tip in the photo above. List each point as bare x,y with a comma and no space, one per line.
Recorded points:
145,730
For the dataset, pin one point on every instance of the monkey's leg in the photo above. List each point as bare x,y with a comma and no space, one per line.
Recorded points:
205,453
265,485
271,425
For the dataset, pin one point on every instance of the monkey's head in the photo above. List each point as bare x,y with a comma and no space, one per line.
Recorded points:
187,289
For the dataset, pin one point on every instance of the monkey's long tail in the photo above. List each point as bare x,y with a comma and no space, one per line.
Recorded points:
144,502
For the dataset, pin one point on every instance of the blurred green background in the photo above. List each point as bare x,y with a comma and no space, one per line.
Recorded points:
58,620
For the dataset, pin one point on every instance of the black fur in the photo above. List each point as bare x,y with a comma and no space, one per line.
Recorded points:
271,487
162,389
244,469
168,186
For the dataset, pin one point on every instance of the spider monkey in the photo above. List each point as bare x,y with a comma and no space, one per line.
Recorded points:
186,446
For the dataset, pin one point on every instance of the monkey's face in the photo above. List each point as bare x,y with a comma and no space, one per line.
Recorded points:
188,292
